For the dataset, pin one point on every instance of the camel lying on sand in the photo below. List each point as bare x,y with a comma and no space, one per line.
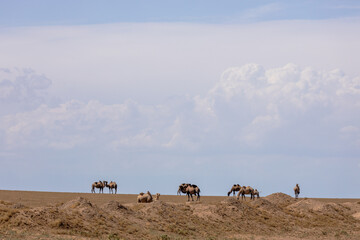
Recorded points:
246,190
193,189
99,185
297,190
144,197
112,185
234,188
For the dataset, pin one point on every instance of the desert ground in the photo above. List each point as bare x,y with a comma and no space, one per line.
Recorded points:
55,215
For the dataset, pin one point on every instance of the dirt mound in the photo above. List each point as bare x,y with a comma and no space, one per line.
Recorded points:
114,206
277,216
311,206
81,206
158,208
266,205
79,202
280,199
230,200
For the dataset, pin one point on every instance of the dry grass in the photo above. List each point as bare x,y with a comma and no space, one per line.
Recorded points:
277,216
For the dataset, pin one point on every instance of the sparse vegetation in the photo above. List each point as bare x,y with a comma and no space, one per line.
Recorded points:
277,215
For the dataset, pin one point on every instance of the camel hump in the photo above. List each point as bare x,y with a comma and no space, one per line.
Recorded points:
235,185
194,186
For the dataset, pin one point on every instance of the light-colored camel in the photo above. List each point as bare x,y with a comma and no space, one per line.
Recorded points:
297,190
193,189
256,193
157,197
112,185
99,185
144,197
182,188
244,191
234,188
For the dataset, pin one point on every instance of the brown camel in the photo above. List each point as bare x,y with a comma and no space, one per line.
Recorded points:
193,189
234,188
246,190
112,185
256,193
297,190
99,185
182,188
144,198
157,197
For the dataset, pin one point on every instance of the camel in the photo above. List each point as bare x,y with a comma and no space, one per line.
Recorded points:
193,189
99,185
144,197
234,188
112,185
157,196
297,190
182,188
246,190
256,193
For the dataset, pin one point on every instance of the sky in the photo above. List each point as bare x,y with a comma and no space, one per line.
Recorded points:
151,95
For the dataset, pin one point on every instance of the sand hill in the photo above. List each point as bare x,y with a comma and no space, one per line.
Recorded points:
277,216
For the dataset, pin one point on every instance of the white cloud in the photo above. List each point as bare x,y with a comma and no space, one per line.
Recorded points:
250,106
21,89
149,62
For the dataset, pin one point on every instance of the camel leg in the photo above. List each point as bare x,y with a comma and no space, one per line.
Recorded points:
198,197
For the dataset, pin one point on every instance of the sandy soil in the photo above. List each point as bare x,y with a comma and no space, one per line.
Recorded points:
53,215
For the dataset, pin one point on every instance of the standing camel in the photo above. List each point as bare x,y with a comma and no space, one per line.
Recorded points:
112,185
182,188
234,188
193,189
246,190
256,193
99,185
297,190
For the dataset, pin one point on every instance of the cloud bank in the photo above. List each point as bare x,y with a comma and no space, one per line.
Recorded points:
289,108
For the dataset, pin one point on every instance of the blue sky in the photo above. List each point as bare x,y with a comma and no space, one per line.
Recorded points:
260,93
42,12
